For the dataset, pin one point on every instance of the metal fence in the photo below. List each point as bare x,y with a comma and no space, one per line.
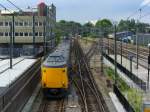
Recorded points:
123,100
17,52
132,76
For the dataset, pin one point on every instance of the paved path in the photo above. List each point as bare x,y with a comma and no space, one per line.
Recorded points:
141,72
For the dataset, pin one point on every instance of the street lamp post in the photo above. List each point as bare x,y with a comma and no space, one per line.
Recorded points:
44,38
137,51
115,62
33,31
121,51
148,66
12,36
131,58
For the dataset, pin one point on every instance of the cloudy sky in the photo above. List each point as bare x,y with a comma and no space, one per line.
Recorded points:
85,10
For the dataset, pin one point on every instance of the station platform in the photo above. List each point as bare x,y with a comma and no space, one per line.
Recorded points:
7,75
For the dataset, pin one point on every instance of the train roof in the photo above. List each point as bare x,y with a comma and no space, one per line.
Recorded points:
59,57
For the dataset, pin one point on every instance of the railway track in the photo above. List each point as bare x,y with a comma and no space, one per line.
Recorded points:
143,52
91,97
129,49
52,105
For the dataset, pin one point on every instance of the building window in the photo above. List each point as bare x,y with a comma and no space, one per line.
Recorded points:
21,33
40,34
16,23
30,34
40,24
6,34
10,33
26,24
36,33
16,34
10,23
6,23
26,34
1,34
1,24
36,23
30,23
20,23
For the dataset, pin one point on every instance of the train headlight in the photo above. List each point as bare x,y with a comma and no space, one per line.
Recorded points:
63,84
63,71
44,71
44,85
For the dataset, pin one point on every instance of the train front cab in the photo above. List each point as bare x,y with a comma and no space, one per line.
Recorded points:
55,81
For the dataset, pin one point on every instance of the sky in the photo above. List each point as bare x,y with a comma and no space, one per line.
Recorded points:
87,10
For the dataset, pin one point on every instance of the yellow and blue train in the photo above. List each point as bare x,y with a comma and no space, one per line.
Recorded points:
55,71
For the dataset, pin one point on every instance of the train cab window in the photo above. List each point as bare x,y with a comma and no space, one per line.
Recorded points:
55,59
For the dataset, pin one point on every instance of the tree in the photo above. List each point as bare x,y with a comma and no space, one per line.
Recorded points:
86,29
65,28
105,25
132,25
88,24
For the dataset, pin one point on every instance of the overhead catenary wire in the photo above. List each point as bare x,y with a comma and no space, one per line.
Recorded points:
1,5
137,11
15,5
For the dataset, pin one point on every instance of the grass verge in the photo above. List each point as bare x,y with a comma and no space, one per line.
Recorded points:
133,95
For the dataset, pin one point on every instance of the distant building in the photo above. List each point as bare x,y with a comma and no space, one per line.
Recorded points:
125,36
142,39
29,27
